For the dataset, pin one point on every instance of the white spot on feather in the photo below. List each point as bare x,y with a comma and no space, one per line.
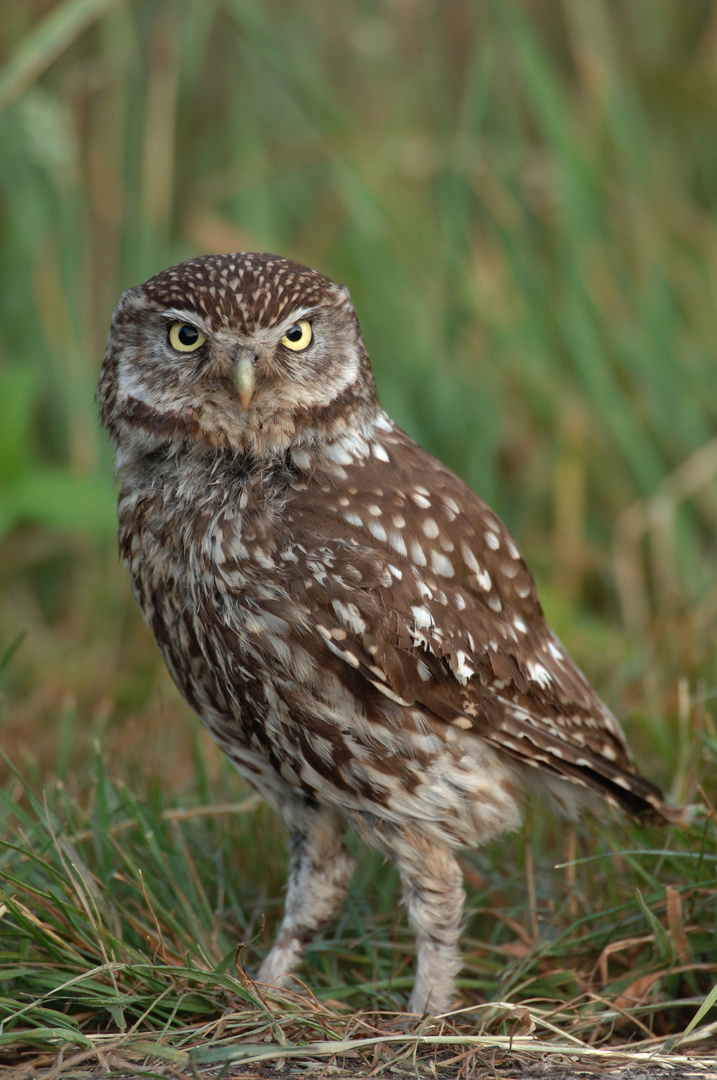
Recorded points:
350,616
376,529
387,692
338,453
422,616
469,558
463,669
326,635
417,554
441,564
301,459
539,674
423,672
555,651
397,542
263,559
621,781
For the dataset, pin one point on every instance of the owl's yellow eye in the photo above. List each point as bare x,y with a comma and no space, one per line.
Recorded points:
298,337
184,337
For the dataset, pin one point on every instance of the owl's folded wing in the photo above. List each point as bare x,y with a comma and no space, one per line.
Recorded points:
460,633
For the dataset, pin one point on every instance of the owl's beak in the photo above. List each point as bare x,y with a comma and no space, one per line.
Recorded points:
245,378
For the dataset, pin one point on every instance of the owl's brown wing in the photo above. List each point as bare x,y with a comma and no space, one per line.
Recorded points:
415,583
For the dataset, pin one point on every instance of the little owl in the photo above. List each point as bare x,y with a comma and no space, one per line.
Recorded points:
352,623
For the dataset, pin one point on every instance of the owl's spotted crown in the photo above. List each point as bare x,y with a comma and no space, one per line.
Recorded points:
246,289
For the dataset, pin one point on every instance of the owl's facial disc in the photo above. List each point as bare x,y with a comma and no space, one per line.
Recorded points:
242,352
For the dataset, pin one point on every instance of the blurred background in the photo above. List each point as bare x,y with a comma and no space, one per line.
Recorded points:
521,198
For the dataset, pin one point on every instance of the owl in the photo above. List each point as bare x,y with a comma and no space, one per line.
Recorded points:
353,625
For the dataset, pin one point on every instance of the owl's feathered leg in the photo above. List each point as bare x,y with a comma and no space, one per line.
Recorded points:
434,896
320,871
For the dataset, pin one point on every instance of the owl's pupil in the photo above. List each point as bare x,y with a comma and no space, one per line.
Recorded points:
294,332
187,335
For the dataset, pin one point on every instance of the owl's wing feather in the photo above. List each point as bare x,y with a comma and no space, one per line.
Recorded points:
429,600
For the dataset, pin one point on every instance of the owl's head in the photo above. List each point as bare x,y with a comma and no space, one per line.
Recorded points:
246,353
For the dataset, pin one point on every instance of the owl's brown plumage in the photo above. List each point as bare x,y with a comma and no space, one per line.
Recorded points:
351,622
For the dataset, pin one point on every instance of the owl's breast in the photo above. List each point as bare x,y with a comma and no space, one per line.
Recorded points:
204,555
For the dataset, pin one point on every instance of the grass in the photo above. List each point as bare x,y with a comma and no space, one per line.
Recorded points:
522,200
130,920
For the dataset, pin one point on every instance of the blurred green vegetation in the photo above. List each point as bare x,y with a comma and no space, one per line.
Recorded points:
521,196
